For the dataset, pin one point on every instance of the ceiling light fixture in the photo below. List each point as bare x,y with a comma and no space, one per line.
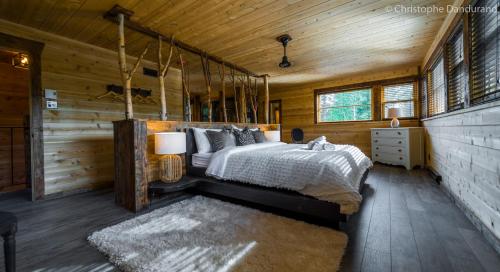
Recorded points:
284,39
20,61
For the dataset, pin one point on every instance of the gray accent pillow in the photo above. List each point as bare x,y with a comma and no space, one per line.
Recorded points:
258,136
220,139
244,137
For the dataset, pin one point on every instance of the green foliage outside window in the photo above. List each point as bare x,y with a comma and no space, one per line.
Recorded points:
345,106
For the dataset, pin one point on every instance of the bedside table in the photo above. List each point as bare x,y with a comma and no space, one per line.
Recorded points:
398,146
158,188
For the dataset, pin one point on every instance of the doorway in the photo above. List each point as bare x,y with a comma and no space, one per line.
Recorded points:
275,112
14,121
31,128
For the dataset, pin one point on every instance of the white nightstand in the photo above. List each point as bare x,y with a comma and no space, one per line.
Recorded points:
398,146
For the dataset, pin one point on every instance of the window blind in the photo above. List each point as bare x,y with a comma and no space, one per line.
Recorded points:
435,88
455,71
399,96
485,64
423,98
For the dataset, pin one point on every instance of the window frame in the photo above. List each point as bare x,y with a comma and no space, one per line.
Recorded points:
317,108
428,74
414,99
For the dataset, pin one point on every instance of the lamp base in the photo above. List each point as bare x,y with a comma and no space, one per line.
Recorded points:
170,168
394,123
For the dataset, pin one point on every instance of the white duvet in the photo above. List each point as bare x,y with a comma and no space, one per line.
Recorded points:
332,175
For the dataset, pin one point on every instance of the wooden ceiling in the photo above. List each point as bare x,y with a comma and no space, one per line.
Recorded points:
330,38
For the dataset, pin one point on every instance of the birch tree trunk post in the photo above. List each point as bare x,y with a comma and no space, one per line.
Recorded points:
205,63
243,102
252,95
266,98
126,75
233,79
185,86
162,74
222,75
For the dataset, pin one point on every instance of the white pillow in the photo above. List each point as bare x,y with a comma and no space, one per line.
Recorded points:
201,139
237,128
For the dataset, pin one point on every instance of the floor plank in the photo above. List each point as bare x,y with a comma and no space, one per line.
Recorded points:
405,223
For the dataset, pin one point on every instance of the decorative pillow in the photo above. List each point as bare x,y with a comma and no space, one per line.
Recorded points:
244,137
201,139
259,136
220,139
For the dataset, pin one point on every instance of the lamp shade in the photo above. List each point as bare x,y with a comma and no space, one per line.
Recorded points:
394,112
167,143
272,135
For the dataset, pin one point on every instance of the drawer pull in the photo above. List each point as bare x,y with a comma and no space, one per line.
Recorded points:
399,132
376,155
399,142
376,141
400,150
400,158
376,132
376,148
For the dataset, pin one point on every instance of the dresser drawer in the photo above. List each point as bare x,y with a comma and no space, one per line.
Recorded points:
399,142
389,133
390,158
390,149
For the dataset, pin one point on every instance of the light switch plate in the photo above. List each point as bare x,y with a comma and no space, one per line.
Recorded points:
50,94
51,104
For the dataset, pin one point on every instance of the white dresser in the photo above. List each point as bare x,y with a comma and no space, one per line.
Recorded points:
398,146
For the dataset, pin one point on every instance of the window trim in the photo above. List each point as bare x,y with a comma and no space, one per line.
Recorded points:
376,97
415,100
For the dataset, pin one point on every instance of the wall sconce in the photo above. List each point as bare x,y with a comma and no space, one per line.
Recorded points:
21,61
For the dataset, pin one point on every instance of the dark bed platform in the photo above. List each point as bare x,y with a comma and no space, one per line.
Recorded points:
280,201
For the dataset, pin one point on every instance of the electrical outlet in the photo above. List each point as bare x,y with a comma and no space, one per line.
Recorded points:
50,94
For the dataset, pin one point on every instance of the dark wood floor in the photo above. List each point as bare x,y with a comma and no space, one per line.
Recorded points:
405,224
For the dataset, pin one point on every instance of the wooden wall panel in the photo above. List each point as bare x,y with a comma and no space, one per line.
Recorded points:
78,136
297,107
464,148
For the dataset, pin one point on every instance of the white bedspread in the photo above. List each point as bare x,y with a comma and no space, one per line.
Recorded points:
331,175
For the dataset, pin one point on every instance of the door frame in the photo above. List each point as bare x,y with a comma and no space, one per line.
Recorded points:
34,50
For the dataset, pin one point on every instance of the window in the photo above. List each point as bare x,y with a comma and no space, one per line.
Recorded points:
455,71
399,96
436,89
485,57
355,105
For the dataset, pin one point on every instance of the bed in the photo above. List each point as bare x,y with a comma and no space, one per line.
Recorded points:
283,177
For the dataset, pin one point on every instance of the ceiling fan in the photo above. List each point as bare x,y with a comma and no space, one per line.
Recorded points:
284,39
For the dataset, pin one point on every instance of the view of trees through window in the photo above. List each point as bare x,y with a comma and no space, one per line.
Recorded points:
345,106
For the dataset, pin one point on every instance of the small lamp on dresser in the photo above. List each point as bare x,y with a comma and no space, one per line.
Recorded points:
170,144
394,113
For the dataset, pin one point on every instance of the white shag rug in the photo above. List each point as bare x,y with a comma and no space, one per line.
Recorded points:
205,234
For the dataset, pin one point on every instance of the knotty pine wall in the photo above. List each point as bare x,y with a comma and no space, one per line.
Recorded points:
297,109
464,148
78,136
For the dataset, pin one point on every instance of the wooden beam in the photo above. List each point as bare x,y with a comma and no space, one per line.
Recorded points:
113,16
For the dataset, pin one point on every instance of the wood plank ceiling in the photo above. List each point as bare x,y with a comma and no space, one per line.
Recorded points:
330,38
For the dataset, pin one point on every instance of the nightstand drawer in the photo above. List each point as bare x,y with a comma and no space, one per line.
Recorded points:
386,133
390,158
389,141
390,149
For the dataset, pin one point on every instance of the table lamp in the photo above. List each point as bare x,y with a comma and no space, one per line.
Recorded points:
272,135
394,113
170,144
